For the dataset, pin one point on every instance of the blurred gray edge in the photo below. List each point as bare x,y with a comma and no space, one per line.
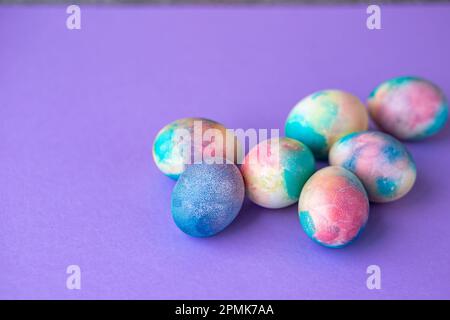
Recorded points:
215,2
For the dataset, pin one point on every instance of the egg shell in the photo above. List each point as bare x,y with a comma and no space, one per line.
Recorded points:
408,108
325,116
169,150
333,207
207,198
275,180
380,161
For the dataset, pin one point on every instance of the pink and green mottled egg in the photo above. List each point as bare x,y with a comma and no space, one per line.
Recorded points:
380,161
275,171
325,116
187,141
333,207
408,108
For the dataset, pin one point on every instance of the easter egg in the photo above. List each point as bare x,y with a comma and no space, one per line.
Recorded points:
275,171
380,161
190,140
207,198
325,116
333,207
408,108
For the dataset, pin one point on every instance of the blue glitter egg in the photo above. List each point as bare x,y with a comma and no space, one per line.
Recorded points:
207,198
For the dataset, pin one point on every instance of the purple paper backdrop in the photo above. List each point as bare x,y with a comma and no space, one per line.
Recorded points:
79,111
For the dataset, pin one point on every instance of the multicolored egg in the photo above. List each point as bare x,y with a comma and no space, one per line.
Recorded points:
325,116
333,207
380,161
207,198
275,171
409,108
188,140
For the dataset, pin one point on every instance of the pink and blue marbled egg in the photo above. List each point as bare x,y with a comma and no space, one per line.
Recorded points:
275,171
380,161
333,207
408,108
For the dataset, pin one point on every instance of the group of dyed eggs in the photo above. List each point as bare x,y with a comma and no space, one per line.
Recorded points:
334,201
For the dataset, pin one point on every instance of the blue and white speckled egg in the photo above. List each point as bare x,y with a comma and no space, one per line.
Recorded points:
207,198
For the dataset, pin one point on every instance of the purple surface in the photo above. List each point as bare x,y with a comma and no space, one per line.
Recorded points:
79,111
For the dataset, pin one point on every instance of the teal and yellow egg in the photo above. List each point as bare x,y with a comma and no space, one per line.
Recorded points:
323,117
275,171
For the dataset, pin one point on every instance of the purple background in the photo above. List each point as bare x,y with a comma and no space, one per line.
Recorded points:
79,111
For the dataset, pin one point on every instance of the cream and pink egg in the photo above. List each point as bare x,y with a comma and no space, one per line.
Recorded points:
275,171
